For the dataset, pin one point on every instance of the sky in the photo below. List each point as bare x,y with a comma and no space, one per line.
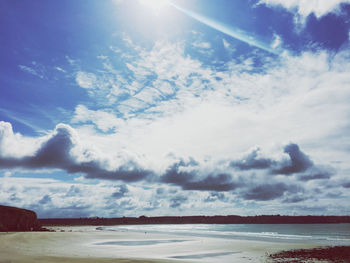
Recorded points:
156,107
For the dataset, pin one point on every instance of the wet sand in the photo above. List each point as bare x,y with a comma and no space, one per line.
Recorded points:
86,244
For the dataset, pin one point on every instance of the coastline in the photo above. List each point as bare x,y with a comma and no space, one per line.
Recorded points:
86,244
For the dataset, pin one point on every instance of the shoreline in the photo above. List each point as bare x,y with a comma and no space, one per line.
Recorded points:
86,244
219,219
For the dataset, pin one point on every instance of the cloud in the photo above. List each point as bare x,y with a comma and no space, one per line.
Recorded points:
73,191
317,173
266,192
104,121
294,199
201,45
346,185
214,196
57,153
121,192
171,102
86,80
14,144
253,161
306,7
297,163
169,96
193,179
177,201
45,200
35,69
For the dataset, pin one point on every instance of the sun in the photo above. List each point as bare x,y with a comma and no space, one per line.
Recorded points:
156,5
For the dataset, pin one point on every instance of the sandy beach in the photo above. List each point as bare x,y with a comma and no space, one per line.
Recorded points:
86,244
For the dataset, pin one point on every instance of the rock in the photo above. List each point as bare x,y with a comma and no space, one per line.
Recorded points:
17,219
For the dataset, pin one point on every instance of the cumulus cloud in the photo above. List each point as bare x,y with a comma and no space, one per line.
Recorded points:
45,200
193,179
317,173
346,185
214,196
295,199
298,163
194,110
306,7
253,161
121,192
57,153
266,192
177,201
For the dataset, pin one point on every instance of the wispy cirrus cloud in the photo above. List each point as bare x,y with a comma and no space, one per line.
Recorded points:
34,69
287,99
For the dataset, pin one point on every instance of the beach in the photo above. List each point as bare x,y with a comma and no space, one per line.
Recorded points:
88,244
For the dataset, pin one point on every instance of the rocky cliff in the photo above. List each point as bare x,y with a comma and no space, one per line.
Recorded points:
16,219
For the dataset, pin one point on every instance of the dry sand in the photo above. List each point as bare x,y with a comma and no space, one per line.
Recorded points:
81,244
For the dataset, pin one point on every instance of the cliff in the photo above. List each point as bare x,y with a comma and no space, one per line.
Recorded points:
16,219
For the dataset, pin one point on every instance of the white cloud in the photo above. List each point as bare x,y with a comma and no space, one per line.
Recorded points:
176,106
306,7
86,80
201,44
277,42
14,144
211,113
35,70
105,121
60,69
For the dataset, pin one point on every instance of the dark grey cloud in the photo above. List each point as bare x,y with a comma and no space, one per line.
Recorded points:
55,153
346,185
121,191
295,199
252,161
316,173
193,180
177,201
45,200
266,192
298,163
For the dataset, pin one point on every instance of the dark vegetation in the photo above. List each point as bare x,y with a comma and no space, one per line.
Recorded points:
17,219
339,254
231,219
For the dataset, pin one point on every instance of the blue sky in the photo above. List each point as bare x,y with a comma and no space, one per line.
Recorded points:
156,107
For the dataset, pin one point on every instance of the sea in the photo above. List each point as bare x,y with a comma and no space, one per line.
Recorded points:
323,234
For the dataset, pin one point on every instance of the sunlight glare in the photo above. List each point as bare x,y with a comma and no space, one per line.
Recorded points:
155,5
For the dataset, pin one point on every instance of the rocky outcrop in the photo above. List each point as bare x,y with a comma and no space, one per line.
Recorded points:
17,219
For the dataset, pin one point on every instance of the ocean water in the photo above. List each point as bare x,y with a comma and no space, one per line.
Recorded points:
324,234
